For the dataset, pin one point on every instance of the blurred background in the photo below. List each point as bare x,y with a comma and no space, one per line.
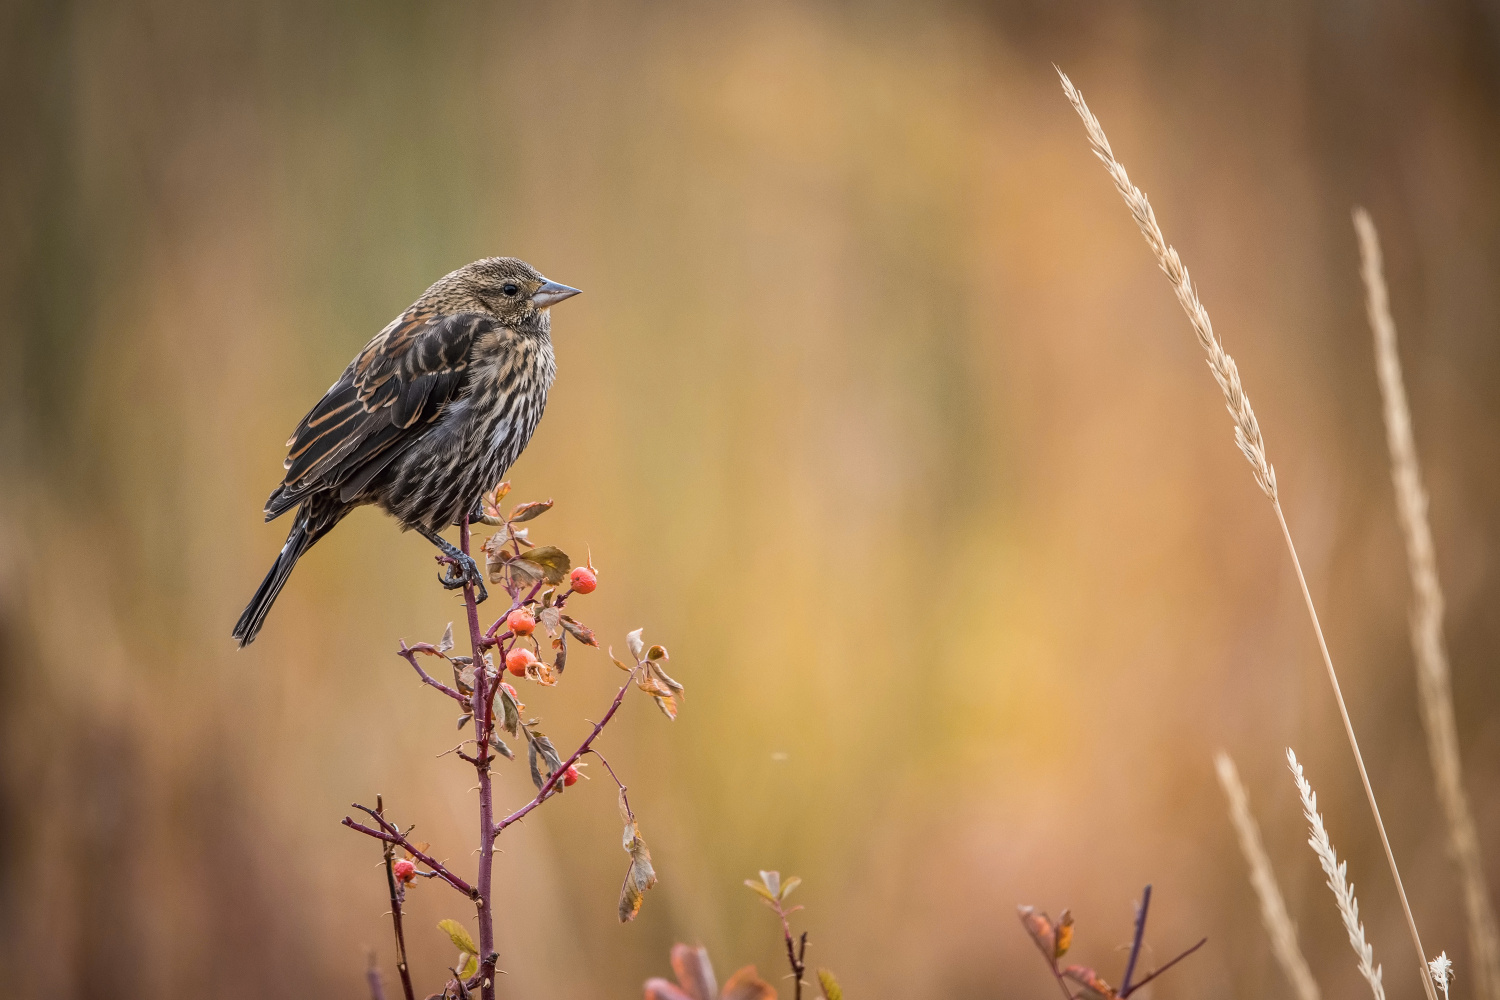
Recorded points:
876,411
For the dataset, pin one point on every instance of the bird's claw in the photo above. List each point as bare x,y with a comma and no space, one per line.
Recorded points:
462,571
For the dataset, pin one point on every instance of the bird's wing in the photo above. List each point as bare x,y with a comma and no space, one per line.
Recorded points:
403,380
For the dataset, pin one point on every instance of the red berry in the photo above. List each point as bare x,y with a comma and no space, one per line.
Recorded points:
520,622
404,870
584,580
518,659
571,774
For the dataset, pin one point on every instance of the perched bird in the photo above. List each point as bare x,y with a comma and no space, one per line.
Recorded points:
424,420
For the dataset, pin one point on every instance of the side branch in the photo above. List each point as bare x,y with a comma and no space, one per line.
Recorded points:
409,653
550,785
391,835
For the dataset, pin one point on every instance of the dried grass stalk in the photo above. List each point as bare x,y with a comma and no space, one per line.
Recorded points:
1433,686
1337,872
1272,908
1247,436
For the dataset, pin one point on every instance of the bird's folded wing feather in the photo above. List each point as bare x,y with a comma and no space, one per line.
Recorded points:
401,382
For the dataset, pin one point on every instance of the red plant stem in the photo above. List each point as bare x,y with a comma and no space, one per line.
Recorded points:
410,848
377,990
410,654
551,783
483,695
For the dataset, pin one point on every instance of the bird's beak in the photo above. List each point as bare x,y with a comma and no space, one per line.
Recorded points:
551,293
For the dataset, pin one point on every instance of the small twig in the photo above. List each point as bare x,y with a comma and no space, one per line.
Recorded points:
410,655
1152,975
372,977
551,783
1135,944
391,835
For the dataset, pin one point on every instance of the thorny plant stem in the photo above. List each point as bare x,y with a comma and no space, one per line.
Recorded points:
377,990
551,783
794,954
1338,695
483,695
401,937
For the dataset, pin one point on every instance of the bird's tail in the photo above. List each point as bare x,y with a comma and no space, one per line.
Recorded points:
307,529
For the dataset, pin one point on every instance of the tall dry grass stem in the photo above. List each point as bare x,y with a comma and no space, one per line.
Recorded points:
1338,880
1247,435
1433,686
1273,913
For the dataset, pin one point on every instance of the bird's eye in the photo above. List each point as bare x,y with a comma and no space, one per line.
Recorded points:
510,290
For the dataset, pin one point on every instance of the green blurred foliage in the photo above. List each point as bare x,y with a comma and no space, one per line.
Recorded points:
874,411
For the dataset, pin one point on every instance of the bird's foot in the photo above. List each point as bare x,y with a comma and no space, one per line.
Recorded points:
460,570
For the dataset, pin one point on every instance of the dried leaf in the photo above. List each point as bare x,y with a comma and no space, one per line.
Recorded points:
579,631
1039,926
560,644
1094,987
656,653
459,935
1064,933
635,645
831,988
500,745
550,619
526,511
539,750
510,711
638,878
746,984
552,561
789,885
695,972
619,662
463,720
446,642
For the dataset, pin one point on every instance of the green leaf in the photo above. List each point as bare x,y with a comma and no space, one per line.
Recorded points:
459,934
789,885
468,966
760,890
831,988
772,882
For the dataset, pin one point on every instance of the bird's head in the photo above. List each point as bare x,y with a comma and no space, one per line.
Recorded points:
511,290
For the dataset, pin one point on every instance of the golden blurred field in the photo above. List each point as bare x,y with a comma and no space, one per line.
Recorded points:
875,411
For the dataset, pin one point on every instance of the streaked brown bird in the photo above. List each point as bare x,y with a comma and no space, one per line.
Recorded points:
424,420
